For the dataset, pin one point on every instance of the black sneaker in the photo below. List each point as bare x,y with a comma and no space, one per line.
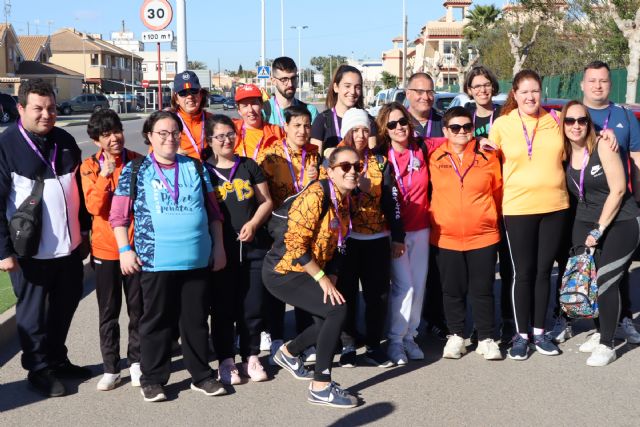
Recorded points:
294,365
377,357
210,387
153,393
67,369
46,383
348,359
439,332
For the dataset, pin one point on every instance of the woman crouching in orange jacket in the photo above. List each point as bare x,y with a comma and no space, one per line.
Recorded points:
465,204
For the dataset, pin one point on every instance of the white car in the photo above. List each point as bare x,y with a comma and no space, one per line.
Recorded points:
463,100
384,97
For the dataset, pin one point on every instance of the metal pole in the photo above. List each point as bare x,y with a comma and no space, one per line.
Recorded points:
404,44
181,15
281,27
159,80
124,84
299,59
263,82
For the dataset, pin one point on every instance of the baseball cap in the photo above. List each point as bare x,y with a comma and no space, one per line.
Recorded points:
185,80
248,91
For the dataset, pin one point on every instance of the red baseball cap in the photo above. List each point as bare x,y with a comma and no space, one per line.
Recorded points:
247,91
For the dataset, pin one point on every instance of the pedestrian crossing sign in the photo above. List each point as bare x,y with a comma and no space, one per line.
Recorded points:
264,72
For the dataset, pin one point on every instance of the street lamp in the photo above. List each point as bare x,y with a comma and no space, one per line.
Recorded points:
299,28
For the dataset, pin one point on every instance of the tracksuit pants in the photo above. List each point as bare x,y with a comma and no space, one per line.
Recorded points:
48,292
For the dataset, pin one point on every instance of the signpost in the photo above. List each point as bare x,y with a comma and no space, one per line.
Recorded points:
145,85
156,15
264,72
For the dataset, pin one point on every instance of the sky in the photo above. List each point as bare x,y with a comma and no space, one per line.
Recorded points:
230,30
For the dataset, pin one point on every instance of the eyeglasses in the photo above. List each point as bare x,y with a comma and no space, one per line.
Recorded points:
186,92
582,121
457,128
164,134
482,86
394,123
287,80
223,136
430,93
346,166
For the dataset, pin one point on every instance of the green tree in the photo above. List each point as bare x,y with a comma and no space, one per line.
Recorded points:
240,70
196,65
481,18
388,80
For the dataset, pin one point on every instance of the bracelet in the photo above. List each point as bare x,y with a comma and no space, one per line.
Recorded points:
596,234
319,275
124,249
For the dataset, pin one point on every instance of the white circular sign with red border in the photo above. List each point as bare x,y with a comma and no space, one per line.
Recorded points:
156,15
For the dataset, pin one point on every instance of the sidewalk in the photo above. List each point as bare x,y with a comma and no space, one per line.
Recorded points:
542,391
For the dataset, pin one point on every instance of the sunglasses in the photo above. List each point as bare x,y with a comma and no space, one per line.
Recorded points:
346,166
187,92
457,128
393,124
582,121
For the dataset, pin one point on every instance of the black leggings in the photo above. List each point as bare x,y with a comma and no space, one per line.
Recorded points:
613,258
533,244
367,261
473,273
300,290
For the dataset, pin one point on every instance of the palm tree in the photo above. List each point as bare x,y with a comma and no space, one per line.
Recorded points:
481,18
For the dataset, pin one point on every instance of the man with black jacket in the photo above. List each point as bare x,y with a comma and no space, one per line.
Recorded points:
48,285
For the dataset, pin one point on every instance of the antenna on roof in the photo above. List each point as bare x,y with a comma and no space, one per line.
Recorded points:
123,30
7,11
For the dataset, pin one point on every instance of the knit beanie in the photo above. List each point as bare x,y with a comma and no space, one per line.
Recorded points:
354,117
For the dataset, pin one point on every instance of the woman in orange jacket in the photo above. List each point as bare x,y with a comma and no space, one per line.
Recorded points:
464,211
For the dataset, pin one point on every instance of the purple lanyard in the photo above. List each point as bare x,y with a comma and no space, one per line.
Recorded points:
366,162
52,162
396,169
490,119
429,123
190,136
605,126
457,171
244,145
341,239
173,193
580,187
335,123
297,184
231,174
280,118
526,134
123,157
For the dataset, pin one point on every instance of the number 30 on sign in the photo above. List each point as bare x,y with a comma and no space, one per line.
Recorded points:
156,15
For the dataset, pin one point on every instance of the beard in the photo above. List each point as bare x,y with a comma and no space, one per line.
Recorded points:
288,94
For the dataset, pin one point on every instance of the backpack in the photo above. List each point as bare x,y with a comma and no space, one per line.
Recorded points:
25,226
579,289
278,222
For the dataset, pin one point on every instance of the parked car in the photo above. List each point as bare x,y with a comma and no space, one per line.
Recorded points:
216,99
229,104
464,100
384,97
89,102
8,108
443,99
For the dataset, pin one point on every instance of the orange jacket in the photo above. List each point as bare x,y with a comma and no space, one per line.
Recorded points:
464,216
195,126
271,133
98,192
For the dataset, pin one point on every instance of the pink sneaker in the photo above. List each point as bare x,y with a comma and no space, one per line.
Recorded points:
228,373
254,370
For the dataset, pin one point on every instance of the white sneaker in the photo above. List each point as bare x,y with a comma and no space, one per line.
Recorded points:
627,331
489,349
108,382
265,341
135,373
275,345
589,345
413,350
397,354
309,355
455,348
561,331
601,356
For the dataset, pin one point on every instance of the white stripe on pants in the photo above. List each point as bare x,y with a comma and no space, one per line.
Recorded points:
408,283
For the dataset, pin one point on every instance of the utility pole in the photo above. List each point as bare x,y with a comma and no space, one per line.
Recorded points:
181,14
404,44
263,82
299,28
281,27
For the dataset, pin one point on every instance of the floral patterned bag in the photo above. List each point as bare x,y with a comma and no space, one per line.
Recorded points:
579,289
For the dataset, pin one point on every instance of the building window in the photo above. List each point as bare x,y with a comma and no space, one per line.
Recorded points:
171,67
95,59
449,46
144,68
108,61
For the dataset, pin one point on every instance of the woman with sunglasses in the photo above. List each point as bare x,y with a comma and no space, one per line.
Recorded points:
376,216
345,91
464,210
607,219
301,268
243,195
408,157
178,237
534,205
188,101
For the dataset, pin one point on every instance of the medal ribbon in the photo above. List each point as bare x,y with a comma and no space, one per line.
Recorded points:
52,162
175,193
190,136
526,134
297,184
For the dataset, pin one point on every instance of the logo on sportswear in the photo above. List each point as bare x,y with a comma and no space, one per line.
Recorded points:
295,366
620,126
596,170
185,76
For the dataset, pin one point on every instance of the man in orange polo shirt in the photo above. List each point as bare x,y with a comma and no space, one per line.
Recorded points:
100,174
252,133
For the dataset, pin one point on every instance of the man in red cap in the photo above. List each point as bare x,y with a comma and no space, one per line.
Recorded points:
252,133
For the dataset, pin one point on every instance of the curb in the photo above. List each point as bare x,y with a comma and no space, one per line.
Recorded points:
85,122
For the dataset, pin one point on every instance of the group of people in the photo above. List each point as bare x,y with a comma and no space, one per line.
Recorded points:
231,219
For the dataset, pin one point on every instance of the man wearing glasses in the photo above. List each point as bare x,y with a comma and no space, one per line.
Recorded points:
421,96
285,79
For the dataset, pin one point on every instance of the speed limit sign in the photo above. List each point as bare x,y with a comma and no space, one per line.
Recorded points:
156,15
